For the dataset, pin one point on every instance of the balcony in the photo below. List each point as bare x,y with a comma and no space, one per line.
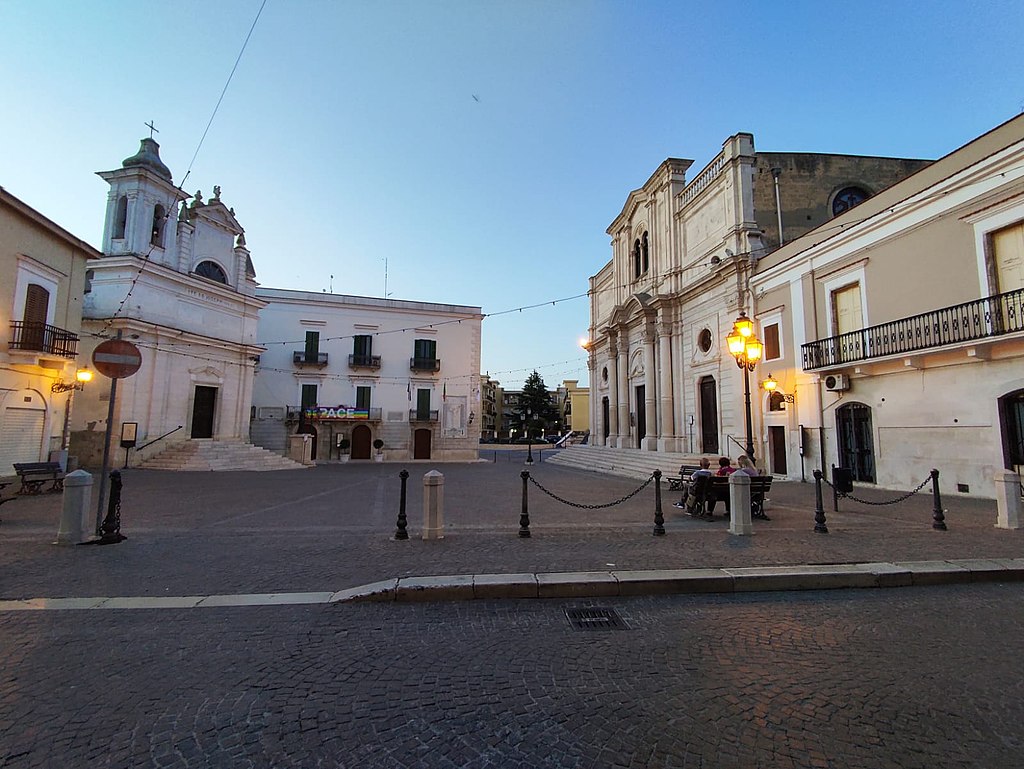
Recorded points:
41,338
425,364
415,415
299,358
987,318
364,361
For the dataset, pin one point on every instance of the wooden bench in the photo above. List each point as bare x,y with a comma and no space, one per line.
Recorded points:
34,474
715,489
675,482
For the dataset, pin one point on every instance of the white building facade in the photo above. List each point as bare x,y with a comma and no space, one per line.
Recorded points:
177,281
902,329
367,376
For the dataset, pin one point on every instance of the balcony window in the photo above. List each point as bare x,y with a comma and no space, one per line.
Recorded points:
362,353
311,355
425,355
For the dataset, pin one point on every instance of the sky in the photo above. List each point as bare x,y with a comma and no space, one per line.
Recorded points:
473,153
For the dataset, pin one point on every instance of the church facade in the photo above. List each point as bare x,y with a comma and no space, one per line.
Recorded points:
683,253
176,280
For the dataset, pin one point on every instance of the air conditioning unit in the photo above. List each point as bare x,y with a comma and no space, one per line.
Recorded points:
837,382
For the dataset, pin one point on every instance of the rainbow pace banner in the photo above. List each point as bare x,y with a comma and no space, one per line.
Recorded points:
336,413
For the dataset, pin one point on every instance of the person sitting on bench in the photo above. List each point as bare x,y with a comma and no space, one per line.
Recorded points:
688,485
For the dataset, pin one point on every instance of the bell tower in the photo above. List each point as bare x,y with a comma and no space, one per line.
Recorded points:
142,207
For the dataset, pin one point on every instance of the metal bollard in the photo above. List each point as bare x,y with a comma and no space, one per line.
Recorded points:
659,519
400,532
524,517
110,530
938,519
819,506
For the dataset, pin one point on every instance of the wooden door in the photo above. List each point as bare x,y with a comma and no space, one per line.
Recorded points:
361,442
777,446
856,445
203,409
641,415
709,415
421,444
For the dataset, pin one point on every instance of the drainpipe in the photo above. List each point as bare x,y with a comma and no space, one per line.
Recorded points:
776,173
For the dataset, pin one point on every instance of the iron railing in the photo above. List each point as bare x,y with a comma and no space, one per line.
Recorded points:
39,337
364,361
980,319
300,358
425,364
415,415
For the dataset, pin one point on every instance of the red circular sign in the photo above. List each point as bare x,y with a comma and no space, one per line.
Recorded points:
116,358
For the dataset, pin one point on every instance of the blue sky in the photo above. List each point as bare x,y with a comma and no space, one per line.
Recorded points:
350,134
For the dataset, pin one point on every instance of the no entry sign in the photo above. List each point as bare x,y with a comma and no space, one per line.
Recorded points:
116,358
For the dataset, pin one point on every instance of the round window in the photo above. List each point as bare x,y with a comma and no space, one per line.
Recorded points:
604,374
847,198
704,340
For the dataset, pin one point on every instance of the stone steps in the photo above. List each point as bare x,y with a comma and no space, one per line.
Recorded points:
626,463
210,455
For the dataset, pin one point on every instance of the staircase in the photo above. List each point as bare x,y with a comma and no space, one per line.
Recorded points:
205,454
628,463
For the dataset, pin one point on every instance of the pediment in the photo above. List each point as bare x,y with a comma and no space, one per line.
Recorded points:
218,214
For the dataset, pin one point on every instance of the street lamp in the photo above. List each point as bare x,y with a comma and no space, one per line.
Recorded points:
529,438
747,350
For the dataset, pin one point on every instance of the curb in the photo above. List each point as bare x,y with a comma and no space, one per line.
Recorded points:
602,584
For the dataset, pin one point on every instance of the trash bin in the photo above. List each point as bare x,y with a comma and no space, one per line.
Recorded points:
842,479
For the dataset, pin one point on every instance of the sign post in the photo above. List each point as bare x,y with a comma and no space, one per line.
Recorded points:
117,359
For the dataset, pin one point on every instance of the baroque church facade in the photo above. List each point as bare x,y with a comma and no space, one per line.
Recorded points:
683,253
175,279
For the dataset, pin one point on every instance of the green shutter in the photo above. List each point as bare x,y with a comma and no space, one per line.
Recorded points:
308,396
423,404
362,397
312,346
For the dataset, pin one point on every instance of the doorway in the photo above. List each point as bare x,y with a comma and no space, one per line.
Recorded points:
1011,426
604,419
421,444
361,442
203,407
641,415
708,415
856,447
777,447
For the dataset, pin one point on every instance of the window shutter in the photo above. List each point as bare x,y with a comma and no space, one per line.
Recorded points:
312,346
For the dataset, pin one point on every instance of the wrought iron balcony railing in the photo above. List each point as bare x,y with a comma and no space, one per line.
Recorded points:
300,358
417,415
425,364
39,337
981,319
364,361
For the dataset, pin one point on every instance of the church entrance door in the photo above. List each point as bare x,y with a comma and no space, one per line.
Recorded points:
708,415
361,442
203,407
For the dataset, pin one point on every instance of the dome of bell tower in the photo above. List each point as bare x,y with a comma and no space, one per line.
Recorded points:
148,157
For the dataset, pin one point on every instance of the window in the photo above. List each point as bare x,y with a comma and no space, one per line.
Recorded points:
776,402
1008,257
636,259
847,198
211,271
362,397
121,217
159,217
308,396
423,404
37,306
772,351
704,340
362,346
312,346
425,350
645,254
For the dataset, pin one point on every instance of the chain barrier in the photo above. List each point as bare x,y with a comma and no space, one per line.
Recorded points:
899,499
592,507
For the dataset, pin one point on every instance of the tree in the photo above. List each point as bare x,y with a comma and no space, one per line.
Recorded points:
536,402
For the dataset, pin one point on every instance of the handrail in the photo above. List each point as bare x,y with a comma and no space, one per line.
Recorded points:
740,445
984,318
140,448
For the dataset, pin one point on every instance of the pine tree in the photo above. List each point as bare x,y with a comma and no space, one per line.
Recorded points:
537,404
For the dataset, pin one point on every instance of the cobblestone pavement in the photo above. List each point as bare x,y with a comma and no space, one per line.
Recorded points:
330,528
925,677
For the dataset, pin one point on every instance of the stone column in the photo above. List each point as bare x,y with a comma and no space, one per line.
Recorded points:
624,434
650,442
433,505
613,394
739,500
666,437
1008,502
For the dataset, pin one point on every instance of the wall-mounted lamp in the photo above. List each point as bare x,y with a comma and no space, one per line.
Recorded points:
82,376
586,344
472,416
771,385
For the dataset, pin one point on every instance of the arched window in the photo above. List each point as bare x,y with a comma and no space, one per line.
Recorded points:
646,253
847,198
636,259
121,217
159,217
211,271
776,402
37,307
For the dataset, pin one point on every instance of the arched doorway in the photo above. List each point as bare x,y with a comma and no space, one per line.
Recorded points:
421,444
1011,428
708,415
361,442
856,445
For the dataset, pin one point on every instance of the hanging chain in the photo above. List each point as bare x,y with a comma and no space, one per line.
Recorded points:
592,507
906,496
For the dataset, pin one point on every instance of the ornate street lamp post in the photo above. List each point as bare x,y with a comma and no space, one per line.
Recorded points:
747,350
529,438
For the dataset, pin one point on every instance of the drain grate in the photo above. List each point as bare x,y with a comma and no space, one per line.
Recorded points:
595,619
